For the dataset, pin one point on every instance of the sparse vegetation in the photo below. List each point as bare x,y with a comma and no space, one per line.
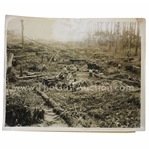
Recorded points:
77,102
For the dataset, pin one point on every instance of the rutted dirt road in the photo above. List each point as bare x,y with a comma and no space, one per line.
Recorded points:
50,118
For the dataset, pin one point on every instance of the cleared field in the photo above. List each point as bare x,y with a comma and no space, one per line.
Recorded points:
96,102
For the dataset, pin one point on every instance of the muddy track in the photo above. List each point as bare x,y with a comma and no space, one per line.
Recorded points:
57,109
50,118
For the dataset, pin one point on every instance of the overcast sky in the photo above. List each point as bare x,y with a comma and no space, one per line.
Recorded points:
55,29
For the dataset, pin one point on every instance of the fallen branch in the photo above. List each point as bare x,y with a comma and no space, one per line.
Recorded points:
24,56
21,56
52,57
28,77
129,82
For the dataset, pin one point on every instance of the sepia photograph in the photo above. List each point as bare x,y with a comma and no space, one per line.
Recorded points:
72,74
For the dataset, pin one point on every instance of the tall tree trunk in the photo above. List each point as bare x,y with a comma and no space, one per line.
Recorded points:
22,34
134,30
101,27
124,34
117,35
130,36
137,39
114,30
107,26
110,35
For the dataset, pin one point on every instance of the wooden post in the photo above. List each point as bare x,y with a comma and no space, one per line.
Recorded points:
22,34
9,64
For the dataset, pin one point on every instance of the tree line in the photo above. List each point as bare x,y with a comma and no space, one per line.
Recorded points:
117,35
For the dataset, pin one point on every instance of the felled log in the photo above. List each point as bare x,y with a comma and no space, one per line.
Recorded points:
30,74
29,77
118,76
52,57
57,109
59,77
21,56
134,83
100,75
125,80
47,99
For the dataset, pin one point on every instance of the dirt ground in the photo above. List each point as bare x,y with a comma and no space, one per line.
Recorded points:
93,103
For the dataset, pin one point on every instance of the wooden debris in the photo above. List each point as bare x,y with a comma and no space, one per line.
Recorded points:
28,77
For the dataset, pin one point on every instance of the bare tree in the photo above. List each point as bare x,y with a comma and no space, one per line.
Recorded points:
110,35
130,37
22,34
117,35
137,39
124,36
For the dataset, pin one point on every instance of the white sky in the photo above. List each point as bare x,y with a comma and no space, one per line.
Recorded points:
56,29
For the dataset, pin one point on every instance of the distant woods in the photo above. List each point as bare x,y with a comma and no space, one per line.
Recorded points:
116,35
